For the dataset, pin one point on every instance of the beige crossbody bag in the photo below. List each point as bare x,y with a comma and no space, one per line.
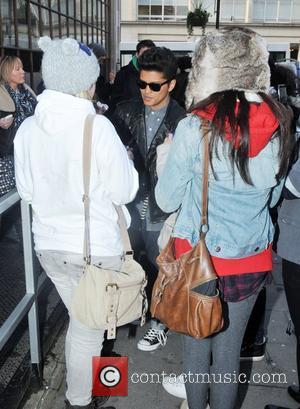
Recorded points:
107,298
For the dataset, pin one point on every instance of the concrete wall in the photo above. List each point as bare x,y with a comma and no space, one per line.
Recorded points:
128,10
135,31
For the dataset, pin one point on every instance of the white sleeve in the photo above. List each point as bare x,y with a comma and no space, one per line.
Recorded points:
289,185
162,152
117,171
293,180
22,169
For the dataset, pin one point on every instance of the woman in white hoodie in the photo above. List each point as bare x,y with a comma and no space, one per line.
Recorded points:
48,161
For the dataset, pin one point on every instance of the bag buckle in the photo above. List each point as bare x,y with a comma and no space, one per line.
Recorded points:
159,293
204,228
161,288
111,285
88,259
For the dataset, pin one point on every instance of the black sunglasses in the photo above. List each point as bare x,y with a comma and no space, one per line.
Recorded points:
154,86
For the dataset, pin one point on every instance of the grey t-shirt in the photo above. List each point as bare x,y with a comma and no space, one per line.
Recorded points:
153,119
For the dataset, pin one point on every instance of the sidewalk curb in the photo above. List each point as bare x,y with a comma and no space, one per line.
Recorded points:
54,376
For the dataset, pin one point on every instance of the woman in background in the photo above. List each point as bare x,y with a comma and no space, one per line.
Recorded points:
288,249
17,102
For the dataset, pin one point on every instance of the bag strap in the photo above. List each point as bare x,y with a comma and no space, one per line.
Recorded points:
206,131
86,165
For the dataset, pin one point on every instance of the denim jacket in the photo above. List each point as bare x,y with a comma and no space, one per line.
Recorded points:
239,223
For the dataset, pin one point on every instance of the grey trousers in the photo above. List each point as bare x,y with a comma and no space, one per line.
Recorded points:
82,343
213,363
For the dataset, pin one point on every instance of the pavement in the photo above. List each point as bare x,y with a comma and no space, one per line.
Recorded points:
270,377
15,363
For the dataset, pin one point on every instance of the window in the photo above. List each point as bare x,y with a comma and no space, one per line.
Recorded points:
233,10
239,10
277,55
295,12
162,10
169,12
182,11
276,10
258,10
144,12
285,10
156,8
271,10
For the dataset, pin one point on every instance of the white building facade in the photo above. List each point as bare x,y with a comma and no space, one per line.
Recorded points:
164,21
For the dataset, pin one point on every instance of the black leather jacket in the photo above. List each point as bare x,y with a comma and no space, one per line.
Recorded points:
129,120
125,86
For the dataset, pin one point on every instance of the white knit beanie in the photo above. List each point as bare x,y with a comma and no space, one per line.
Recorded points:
229,59
68,66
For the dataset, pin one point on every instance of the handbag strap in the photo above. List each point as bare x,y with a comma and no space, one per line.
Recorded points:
206,131
86,165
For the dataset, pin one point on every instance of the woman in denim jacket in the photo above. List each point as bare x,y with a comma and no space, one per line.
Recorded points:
250,144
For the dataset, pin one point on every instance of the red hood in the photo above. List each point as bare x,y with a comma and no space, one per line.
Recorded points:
262,125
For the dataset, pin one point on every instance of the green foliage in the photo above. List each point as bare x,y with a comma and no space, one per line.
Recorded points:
197,18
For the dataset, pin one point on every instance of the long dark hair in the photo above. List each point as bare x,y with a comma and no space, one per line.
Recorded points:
224,104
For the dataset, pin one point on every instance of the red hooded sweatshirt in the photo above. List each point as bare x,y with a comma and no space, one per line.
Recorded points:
262,125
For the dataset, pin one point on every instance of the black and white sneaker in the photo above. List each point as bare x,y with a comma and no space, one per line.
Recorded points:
253,352
153,339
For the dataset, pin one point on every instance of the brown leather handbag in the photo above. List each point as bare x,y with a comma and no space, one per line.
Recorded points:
174,299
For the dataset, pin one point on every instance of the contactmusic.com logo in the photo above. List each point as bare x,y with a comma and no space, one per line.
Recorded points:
110,376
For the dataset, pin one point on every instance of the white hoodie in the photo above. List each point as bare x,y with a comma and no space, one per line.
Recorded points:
48,166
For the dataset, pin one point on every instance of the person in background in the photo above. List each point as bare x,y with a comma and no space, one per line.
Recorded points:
125,84
249,134
103,86
184,66
48,161
288,247
254,343
17,102
143,124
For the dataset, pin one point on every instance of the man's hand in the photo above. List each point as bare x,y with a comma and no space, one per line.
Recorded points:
130,153
5,123
111,77
169,139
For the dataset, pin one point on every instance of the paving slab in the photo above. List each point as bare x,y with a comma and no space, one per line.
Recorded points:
256,397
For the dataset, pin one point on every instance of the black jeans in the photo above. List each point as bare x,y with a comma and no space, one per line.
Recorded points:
291,280
145,248
255,330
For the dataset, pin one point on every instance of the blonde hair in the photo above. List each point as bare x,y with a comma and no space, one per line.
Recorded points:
84,95
88,94
6,67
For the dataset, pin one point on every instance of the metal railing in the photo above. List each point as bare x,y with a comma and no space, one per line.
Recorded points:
34,284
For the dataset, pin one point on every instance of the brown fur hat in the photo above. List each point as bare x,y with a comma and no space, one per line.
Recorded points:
231,58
